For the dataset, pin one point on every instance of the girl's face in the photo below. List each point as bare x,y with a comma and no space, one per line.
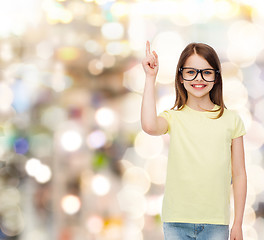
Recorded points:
193,87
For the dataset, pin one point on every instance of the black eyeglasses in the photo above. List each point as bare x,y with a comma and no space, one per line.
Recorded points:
208,74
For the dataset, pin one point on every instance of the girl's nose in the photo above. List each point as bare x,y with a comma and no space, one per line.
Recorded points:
199,76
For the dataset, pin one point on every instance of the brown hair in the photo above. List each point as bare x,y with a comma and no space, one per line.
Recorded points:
209,54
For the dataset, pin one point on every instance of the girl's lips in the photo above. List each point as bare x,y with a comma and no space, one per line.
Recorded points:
198,88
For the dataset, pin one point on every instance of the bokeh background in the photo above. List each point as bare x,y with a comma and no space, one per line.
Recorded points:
75,163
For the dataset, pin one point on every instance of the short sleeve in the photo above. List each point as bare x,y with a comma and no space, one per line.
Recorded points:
239,128
167,115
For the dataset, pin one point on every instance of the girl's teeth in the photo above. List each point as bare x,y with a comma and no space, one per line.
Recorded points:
199,86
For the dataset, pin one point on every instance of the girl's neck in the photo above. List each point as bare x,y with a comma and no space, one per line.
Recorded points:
206,104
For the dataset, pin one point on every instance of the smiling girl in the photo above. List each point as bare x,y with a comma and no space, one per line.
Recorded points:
206,150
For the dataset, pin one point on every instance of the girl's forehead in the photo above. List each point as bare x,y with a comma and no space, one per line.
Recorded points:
197,61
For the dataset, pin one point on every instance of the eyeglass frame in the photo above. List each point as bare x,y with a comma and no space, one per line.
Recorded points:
197,72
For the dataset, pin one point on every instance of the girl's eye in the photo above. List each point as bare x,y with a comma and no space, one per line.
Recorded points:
207,72
191,72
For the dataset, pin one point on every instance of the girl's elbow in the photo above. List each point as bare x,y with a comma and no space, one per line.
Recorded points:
148,129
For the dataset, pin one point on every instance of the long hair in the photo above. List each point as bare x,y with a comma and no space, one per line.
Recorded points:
216,93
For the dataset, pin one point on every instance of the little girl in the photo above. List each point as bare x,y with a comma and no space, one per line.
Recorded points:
206,152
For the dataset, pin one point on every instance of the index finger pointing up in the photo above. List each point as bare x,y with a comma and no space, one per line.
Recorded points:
147,48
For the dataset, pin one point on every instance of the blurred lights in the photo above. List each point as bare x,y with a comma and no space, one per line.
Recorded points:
115,48
250,216
254,138
132,202
71,140
6,97
39,171
246,116
120,9
70,204
126,49
12,222
9,198
96,139
132,231
44,175
78,9
249,232
231,71
32,165
257,13
130,107
100,185
95,19
163,43
113,30
235,99
259,223
247,36
148,146
157,169
226,9
6,53
132,79
137,179
95,224
256,177
60,82
247,2
136,31
125,164
259,110
16,16
112,230
68,53
105,117
108,60
94,47
165,102
21,146
251,194
47,117
102,2
85,180
154,205
95,67
44,50
197,11
21,101
56,13
254,157
39,234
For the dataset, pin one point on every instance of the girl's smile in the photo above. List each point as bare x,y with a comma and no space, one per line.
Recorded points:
199,86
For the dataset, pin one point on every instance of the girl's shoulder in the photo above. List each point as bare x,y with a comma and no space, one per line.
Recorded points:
230,112
231,115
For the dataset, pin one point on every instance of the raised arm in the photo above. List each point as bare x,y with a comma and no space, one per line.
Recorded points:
150,123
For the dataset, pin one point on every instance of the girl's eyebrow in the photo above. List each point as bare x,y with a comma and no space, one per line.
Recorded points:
199,68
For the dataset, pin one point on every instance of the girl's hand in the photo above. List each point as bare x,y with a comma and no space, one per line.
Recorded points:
236,233
150,62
